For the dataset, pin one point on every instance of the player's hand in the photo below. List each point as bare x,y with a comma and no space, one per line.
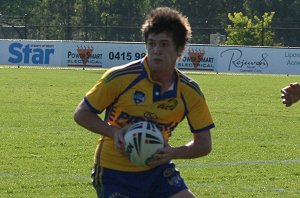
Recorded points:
119,140
162,156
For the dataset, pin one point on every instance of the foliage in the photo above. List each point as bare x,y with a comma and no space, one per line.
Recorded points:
246,31
121,20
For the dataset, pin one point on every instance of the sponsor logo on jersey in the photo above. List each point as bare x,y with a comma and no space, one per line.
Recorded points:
150,116
125,119
170,105
139,97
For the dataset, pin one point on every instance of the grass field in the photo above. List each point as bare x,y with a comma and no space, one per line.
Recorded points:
44,153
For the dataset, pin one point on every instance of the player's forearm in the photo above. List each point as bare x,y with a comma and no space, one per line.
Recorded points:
93,123
192,150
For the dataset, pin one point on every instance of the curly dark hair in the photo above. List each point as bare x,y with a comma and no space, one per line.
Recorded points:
165,19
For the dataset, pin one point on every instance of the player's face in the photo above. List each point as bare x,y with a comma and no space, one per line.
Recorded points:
162,52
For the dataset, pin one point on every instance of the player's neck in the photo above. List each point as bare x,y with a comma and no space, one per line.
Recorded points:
165,78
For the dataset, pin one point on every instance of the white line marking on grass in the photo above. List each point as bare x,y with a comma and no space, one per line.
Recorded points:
244,188
256,162
206,185
192,184
72,177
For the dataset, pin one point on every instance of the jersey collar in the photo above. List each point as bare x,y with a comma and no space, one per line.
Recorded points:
156,87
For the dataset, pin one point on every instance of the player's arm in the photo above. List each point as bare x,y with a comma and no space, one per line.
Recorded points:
91,121
198,147
290,94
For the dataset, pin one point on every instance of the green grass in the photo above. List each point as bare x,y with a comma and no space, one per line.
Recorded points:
45,154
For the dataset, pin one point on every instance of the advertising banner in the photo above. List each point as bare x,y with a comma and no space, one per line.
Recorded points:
34,53
109,54
259,60
199,57
100,54
235,59
290,60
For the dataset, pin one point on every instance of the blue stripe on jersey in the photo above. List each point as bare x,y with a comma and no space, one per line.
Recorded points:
194,130
168,94
91,107
134,68
186,111
143,74
189,82
134,82
109,113
203,129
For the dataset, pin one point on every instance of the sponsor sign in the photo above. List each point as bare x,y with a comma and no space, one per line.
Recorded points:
259,60
101,54
81,54
290,61
264,60
198,57
39,53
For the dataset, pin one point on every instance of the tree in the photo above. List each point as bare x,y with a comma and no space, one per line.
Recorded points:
246,31
121,20
285,23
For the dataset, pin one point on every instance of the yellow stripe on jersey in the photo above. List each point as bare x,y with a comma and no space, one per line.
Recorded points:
128,95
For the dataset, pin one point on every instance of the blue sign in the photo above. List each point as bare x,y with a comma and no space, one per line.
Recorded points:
30,53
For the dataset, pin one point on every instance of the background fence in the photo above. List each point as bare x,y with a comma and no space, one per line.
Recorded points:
24,27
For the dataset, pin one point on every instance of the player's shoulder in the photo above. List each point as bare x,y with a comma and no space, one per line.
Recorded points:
132,68
188,84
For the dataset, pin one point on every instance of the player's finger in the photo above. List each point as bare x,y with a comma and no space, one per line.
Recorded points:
294,84
283,91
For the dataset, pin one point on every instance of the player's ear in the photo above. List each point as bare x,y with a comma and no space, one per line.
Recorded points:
179,52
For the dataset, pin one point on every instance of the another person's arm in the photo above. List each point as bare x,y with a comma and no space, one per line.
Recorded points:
290,94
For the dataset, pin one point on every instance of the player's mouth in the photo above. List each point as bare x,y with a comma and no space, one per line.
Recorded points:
157,60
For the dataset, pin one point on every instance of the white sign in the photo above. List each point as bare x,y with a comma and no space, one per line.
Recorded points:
101,54
264,60
198,57
259,60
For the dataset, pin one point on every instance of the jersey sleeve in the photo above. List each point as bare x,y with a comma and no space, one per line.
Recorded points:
103,93
198,114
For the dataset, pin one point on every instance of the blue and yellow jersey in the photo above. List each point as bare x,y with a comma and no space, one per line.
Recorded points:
127,94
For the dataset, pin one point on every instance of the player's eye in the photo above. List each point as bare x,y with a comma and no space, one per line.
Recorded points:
164,44
151,44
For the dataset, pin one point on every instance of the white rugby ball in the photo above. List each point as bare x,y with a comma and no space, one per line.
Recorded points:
142,139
